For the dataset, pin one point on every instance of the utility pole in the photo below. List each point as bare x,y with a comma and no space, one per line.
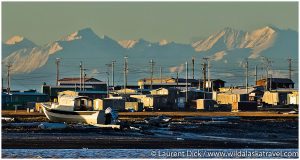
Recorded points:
83,81
125,73
199,85
107,85
193,67
186,81
208,75
8,78
107,73
270,65
177,79
57,70
246,76
204,72
290,68
160,73
267,64
255,74
113,74
80,85
152,64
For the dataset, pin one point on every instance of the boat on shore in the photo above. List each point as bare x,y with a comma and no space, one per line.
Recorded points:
77,109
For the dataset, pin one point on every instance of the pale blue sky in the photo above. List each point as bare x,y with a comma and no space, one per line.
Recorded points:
181,22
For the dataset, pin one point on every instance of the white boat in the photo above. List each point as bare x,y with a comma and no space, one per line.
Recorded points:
76,109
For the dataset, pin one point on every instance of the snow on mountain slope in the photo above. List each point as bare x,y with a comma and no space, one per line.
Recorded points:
127,43
27,57
163,42
14,40
226,49
16,43
71,37
227,39
27,60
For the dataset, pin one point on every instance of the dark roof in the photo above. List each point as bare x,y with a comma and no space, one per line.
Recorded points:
197,80
180,80
25,93
78,79
183,80
281,80
93,92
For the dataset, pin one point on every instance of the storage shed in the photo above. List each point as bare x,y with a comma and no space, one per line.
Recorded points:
114,103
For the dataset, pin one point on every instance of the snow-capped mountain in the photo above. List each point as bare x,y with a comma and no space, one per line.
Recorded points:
257,41
227,47
15,43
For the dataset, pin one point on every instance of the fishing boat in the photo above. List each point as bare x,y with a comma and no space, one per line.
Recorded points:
77,109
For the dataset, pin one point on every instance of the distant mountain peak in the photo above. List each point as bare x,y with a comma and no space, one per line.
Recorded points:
71,37
14,40
266,29
85,32
163,42
229,38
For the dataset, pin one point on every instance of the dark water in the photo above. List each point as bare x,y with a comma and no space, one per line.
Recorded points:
150,153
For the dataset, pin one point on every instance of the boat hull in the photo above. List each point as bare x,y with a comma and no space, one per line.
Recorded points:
89,117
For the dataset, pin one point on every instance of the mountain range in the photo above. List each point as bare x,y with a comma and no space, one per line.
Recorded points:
227,50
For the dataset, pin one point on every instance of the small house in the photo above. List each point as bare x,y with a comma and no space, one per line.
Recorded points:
205,104
275,98
136,106
9,100
293,98
244,106
230,98
113,103
275,83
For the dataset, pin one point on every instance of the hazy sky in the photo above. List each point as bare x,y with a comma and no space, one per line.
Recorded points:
181,22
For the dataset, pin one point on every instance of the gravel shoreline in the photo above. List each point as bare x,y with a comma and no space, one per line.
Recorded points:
245,133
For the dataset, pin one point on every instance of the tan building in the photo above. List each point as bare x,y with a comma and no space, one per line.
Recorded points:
205,104
275,83
126,91
136,106
168,82
114,103
227,98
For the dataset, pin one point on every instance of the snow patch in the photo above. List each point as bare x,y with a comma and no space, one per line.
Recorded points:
163,42
27,60
55,48
127,43
218,56
14,40
71,37
204,45
257,40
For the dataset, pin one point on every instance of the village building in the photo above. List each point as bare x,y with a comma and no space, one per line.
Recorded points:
153,102
275,83
281,97
116,103
168,82
91,87
22,100
171,95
